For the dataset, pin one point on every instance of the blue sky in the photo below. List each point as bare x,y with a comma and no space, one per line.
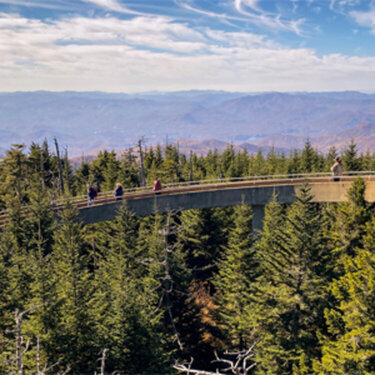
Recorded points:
167,45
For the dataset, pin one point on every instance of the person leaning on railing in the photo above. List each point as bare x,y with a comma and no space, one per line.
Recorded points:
337,169
91,194
118,191
157,186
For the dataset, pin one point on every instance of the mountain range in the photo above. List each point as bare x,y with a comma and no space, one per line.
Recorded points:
86,122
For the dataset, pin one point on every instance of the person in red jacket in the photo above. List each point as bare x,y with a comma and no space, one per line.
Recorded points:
157,186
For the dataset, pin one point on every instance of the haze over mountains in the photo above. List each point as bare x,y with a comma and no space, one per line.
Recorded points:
89,121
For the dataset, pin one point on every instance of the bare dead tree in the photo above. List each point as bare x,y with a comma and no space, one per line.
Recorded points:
66,165
102,361
20,349
167,281
46,368
240,364
64,372
61,177
143,177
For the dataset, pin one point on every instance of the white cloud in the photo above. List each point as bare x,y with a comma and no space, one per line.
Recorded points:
251,9
366,19
113,5
341,5
157,53
249,3
258,18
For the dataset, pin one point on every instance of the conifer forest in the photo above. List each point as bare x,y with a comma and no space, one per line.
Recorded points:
195,292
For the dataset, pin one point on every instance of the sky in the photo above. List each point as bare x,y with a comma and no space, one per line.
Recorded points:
171,45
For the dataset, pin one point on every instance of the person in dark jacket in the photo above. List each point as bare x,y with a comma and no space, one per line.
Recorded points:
157,186
118,191
337,169
91,194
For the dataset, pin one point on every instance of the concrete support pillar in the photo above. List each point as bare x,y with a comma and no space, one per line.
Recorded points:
258,217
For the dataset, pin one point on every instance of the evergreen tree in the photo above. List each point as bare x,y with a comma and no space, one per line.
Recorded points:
348,227
75,334
294,163
129,171
201,239
42,320
14,175
257,165
227,161
350,158
125,304
237,270
82,177
211,164
350,348
111,172
308,159
292,293
330,158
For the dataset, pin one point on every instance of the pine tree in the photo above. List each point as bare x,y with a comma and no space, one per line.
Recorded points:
211,164
237,270
273,163
330,158
111,171
308,159
348,227
294,162
350,348
292,290
75,334
227,161
350,158
129,171
82,177
126,302
42,321
15,175
257,165
201,239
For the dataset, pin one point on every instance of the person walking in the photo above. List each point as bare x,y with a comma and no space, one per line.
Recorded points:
157,186
337,169
118,191
91,194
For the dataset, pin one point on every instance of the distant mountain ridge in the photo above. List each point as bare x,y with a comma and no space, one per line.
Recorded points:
362,134
87,121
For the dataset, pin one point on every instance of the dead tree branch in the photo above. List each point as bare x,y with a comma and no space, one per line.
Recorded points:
237,366
102,361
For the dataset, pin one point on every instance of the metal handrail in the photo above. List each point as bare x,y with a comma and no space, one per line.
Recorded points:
223,180
128,191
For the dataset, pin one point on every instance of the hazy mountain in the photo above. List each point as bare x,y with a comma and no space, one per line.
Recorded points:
86,121
203,147
363,135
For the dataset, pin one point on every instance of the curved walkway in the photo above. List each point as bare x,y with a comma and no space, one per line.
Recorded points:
255,191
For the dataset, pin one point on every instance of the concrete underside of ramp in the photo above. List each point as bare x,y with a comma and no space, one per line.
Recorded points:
257,197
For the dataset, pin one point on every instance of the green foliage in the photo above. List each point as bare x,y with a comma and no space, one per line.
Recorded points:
292,296
125,304
351,348
237,270
349,226
167,287
350,158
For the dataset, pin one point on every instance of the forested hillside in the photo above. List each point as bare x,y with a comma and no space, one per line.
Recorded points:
145,295
92,121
